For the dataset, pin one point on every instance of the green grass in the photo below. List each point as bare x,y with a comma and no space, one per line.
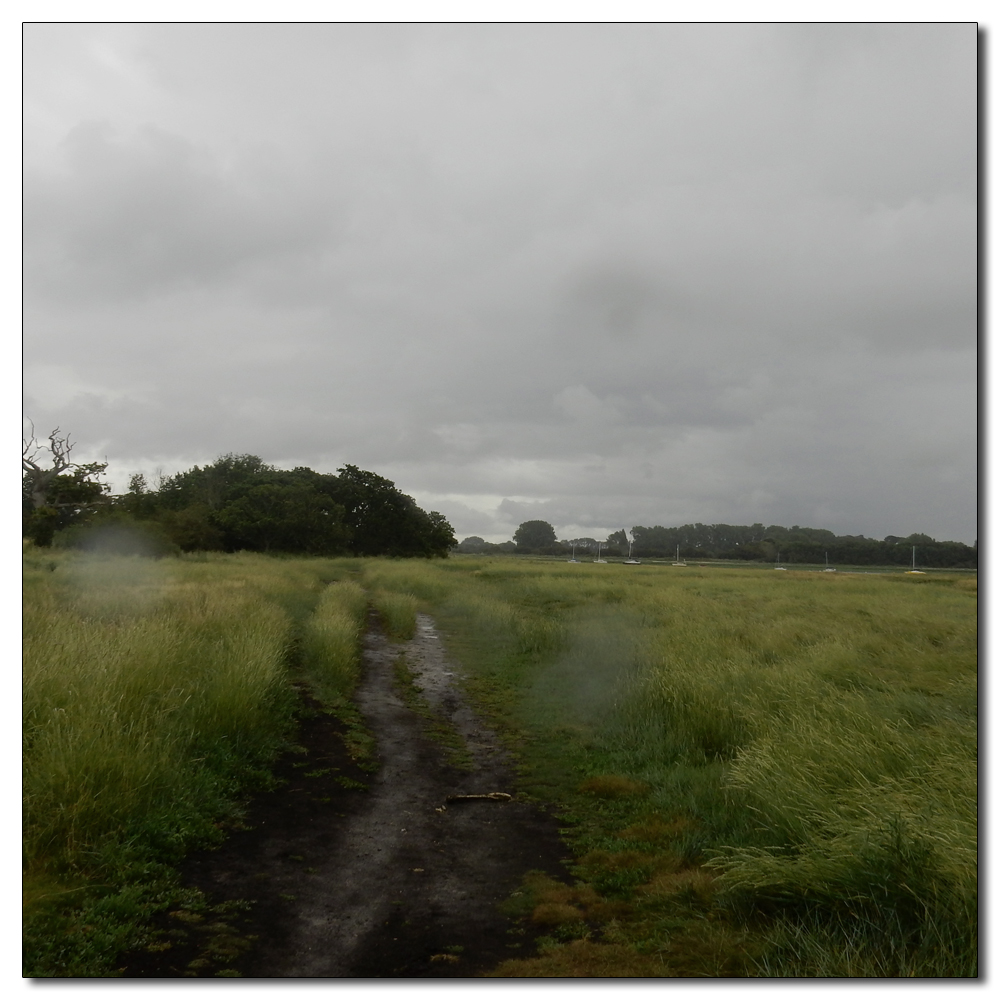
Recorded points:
155,694
398,612
759,773
800,747
331,641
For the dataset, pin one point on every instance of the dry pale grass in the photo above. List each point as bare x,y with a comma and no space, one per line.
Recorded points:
547,890
607,911
710,948
695,882
556,903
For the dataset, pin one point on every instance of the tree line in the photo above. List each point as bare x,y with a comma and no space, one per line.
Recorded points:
750,543
238,502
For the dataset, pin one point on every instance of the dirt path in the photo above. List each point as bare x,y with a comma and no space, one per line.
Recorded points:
376,883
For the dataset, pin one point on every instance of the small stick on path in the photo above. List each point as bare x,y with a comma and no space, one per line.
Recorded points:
487,797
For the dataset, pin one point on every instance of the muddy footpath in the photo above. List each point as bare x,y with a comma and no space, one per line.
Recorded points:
342,873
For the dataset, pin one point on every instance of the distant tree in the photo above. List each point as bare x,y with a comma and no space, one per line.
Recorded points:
617,542
384,521
533,536
439,535
472,544
140,501
283,517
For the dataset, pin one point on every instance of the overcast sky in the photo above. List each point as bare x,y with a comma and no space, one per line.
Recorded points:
602,275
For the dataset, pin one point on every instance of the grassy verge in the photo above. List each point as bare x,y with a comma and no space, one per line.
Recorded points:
155,695
761,774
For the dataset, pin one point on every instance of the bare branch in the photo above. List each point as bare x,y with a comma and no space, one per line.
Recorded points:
60,447
29,450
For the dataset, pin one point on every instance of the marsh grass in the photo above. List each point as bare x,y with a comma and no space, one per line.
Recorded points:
398,612
760,773
154,694
410,576
330,661
120,715
808,741
331,644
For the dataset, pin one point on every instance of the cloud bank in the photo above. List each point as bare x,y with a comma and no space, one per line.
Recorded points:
603,275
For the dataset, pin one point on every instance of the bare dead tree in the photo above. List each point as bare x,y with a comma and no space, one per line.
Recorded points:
39,477
42,474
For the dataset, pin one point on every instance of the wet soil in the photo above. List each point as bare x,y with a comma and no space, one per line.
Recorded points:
342,873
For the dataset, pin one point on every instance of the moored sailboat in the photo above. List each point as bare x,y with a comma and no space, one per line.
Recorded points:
630,561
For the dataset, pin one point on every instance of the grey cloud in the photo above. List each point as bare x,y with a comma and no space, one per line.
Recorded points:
647,273
149,212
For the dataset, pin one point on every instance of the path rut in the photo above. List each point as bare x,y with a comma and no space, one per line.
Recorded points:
383,882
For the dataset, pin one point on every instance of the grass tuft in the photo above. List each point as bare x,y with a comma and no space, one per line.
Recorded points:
398,612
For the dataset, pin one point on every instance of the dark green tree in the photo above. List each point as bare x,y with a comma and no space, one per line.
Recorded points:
439,534
191,528
283,517
384,521
226,479
533,536
617,542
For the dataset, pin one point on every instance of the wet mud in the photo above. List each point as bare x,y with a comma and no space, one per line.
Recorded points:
342,873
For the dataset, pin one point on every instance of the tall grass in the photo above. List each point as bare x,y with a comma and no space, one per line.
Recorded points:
131,691
873,825
398,612
154,691
332,640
